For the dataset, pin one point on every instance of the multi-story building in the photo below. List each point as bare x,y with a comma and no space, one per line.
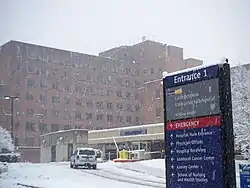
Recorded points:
60,90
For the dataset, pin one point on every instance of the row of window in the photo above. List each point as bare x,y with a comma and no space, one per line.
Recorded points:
30,126
78,88
79,101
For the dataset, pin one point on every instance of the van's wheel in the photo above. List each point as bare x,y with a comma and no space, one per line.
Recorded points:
94,167
71,166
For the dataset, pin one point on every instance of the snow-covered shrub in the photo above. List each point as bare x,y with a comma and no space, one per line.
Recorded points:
5,140
241,108
3,167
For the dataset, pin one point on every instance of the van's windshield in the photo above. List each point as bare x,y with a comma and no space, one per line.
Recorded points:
86,152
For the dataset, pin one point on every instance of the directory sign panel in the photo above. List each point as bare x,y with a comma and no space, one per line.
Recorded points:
194,128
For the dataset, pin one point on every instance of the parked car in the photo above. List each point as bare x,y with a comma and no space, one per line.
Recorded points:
85,157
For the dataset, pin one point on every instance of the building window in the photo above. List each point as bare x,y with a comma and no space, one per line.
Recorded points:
43,83
30,69
89,104
30,126
109,92
78,102
30,83
127,83
67,127
78,89
158,93
128,95
136,96
129,119
67,100
78,115
54,85
158,112
89,90
99,117
42,98
109,118
30,112
99,105
67,88
137,84
119,93
55,113
137,107
43,128
129,107
88,78
137,121
88,116
152,70
119,106
120,119
109,105
55,100
29,97
54,127
67,115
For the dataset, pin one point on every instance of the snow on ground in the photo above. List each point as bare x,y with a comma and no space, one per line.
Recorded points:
149,173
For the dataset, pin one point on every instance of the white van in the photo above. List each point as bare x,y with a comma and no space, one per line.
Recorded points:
86,157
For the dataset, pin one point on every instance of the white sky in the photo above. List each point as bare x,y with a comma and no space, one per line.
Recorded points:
206,29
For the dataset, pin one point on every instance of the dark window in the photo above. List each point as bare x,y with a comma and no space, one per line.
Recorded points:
43,128
109,105
89,104
67,127
119,93
152,71
99,117
29,97
137,107
128,119
88,116
30,83
30,112
119,106
55,99
137,121
67,100
78,102
157,93
128,95
54,127
78,115
42,98
99,105
30,126
109,118
158,112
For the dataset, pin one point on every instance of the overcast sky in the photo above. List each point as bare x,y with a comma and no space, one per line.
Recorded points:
206,29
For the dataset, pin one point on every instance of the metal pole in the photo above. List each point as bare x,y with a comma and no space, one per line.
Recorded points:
12,119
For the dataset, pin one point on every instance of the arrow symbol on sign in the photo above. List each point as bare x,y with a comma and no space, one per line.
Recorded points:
171,125
172,166
172,174
172,151
171,143
172,159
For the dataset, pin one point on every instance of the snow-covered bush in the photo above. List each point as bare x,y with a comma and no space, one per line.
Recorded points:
5,140
241,108
3,167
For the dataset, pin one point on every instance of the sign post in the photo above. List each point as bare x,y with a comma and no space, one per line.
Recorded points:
198,128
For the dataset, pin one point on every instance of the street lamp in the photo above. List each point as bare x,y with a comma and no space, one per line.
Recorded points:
12,98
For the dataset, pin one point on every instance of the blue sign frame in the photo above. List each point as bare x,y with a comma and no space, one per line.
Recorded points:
244,170
186,170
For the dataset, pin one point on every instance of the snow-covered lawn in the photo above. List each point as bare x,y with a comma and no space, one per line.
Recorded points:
50,175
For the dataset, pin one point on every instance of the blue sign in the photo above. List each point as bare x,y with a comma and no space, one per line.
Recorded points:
133,132
195,75
194,153
244,175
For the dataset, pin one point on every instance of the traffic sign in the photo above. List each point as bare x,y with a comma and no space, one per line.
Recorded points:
198,128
